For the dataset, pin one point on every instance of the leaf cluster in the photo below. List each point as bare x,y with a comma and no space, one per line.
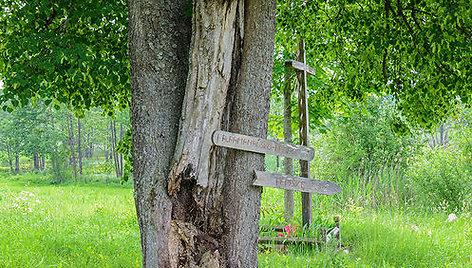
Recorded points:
64,52
419,51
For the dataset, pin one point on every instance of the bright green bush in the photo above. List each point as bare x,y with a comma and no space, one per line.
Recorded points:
441,179
364,140
366,152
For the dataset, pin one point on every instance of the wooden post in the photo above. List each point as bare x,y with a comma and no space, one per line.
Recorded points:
307,214
289,202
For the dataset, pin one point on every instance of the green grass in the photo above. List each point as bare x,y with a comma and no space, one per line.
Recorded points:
381,237
67,225
94,225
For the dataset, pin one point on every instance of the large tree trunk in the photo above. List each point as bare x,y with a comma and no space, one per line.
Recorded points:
158,46
185,222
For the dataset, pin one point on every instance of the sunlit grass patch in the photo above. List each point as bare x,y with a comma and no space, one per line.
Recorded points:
69,226
381,237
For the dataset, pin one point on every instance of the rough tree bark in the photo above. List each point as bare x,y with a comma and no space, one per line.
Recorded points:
195,203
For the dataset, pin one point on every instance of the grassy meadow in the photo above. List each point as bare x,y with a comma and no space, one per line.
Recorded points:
91,223
70,225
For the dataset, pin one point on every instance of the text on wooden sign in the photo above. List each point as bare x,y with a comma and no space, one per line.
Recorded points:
258,145
295,183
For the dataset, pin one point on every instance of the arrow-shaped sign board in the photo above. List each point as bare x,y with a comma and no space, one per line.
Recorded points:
300,66
258,145
295,183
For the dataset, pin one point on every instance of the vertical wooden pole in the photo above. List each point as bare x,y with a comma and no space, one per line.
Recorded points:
289,202
307,214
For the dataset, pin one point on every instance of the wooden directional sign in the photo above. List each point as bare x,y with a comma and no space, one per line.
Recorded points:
295,183
299,66
258,145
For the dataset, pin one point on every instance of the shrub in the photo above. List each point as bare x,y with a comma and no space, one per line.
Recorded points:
365,140
440,178
57,168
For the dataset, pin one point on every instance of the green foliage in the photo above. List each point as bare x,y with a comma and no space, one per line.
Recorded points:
396,236
362,141
64,52
418,51
125,148
58,171
67,225
441,179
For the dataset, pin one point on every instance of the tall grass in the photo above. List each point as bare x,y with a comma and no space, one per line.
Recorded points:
45,225
383,236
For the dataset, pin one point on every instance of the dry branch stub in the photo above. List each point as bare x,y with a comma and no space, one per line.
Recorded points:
258,145
295,183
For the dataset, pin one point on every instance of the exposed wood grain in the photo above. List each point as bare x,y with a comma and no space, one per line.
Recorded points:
258,145
295,183
215,27
299,66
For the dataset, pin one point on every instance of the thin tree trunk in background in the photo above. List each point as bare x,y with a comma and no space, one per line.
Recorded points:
107,156
10,160
36,161
122,134
72,144
89,145
79,144
113,148
214,224
43,164
17,163
289,202
109,149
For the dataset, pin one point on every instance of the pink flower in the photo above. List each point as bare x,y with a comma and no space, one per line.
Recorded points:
289,230
280,234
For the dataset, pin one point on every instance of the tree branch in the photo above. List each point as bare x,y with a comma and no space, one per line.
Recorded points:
50,19
413,13
402,15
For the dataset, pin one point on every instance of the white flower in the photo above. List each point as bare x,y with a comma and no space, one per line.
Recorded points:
452,217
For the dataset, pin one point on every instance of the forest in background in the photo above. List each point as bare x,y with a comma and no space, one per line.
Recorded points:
54,139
